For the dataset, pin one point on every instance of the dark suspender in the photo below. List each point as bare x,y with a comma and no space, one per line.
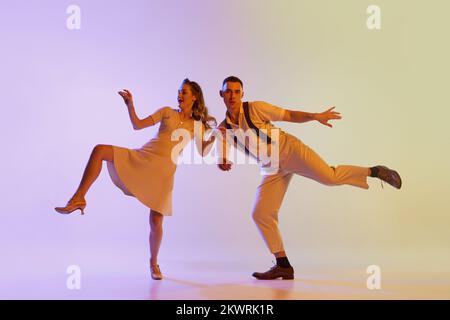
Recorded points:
250,123
237,142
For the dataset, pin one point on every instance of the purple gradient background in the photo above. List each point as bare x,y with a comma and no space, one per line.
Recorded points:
62,101
59,99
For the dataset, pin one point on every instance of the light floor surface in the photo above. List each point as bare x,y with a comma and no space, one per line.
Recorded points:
220,281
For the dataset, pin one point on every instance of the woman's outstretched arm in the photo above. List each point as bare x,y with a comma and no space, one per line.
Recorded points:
137,123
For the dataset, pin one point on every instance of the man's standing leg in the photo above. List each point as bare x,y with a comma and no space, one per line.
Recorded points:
269,196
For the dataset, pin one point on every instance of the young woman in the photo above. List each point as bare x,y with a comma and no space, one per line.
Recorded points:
148,173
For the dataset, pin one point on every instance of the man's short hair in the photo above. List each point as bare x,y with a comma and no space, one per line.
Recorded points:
232,79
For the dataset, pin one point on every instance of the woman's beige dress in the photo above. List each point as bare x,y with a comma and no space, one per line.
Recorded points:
148,173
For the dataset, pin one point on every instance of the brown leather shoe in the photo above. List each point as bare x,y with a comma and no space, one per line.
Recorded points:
390,176
275,272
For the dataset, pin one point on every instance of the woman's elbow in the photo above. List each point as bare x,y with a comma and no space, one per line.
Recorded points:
205,153
202,152
138,125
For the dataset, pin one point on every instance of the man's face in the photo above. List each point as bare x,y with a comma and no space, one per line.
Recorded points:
232,94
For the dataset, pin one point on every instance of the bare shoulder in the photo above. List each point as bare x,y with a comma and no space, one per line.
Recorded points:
168,109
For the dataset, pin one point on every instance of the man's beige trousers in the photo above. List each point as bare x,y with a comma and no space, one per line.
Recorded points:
297,158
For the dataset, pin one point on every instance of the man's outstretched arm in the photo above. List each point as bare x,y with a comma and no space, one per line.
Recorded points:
323,117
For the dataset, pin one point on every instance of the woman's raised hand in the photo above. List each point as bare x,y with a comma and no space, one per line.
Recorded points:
127,97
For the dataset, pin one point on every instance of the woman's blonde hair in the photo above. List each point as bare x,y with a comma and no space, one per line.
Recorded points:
199,109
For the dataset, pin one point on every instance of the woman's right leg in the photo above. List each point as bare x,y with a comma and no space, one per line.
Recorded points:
94,166
156,233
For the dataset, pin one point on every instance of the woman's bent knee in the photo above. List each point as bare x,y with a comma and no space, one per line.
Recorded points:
104,151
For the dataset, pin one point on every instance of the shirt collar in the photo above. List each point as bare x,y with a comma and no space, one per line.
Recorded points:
241,111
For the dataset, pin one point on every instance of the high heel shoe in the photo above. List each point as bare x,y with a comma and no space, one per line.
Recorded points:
70,207
156,272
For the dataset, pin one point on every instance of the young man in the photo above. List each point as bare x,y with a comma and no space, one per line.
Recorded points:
249,124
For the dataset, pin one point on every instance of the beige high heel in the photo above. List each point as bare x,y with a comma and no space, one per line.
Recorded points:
156,272
70,207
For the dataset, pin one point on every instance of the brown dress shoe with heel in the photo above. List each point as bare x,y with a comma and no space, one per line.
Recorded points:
390,176
276,272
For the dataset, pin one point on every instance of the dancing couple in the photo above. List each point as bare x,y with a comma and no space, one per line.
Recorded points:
148,173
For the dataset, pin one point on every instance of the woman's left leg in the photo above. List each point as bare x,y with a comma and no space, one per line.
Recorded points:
156,233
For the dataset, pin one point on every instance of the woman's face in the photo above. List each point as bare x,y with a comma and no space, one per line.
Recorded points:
185,97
